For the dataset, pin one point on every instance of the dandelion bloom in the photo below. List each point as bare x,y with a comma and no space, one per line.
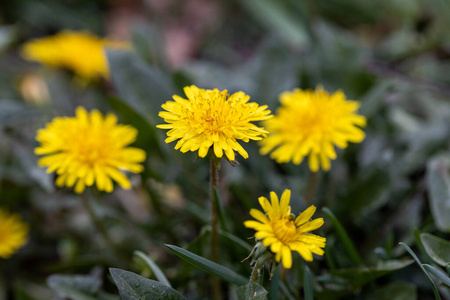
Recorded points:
309,123
88,148
213,118
283,233
80,52
13,233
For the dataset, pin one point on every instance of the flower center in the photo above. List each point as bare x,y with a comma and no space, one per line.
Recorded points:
90,148
285,230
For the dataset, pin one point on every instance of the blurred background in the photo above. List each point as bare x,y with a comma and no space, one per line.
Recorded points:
392,56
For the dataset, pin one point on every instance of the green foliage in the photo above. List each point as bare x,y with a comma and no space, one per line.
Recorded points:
438,179
252,291
438,249
392,56
208,266
433,285
156,270
132,286
78,287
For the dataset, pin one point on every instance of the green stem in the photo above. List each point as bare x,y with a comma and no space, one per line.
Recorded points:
214,176
101,228
259,265
255,274
311,187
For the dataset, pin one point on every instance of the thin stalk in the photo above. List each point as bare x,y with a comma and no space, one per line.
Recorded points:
311,187
101,228
214,177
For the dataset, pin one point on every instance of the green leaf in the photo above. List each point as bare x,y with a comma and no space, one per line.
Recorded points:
156,270
7,36
235,239
77,287
348,244
209,266
433,286
438,180
142,87
308,288
274,289
278,18
147,137
360,276
438,249
252,291
147,43
397,291
438,273
132,286
14,111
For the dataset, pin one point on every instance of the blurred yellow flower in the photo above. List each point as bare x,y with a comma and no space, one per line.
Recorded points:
13,233
88,148
81,52
309,123
283,233
213,118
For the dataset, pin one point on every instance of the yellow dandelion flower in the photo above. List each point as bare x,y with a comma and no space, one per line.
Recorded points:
80,52
13,233
309,123
282,233
213,118
89,148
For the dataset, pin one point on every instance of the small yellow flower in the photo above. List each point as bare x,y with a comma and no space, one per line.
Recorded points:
89,148
283,233
13,233
213,118
309,123
80,52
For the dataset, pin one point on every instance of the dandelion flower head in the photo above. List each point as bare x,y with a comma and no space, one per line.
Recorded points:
213,118
13,233
310,123
282,233
89,148
80,52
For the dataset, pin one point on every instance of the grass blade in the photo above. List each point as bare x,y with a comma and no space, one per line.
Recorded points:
438,274
348,244
209,266
307,284
433,286
156,270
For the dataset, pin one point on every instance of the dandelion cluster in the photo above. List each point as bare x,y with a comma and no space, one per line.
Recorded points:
13,233
309,123
213,118
283,233
89,148
80,52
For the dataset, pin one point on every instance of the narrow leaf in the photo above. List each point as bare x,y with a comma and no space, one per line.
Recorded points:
278,18
348,244
274,285
156,270
209,266
438,273
433,286
308,284
132,286
360,276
